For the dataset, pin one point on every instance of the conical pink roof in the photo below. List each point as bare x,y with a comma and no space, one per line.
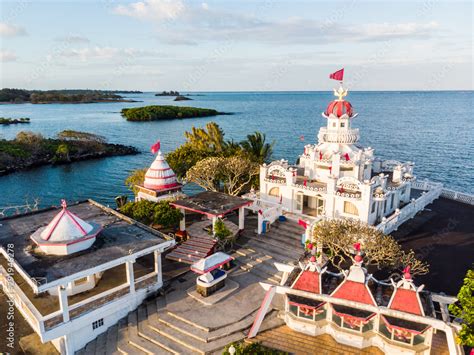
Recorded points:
160,176
65,226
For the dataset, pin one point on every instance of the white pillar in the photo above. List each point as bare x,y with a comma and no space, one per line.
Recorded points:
182,223
63,305
260,222
158,269
214,220
130,275
241,218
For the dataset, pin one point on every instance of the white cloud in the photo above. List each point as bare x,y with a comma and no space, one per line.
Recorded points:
188,24
100,53
7,30
7,56
73,39
152,9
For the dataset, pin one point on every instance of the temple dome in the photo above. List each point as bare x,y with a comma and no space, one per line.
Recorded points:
339,108
66,233
160,176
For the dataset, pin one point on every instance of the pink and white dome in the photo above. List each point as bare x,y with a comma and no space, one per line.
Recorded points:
160,176
66,234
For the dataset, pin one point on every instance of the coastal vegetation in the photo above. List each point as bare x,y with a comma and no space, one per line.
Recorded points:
464,310
214,163
166,112
153,213
30,149
244,348
18,96
7,121
336,237
168,93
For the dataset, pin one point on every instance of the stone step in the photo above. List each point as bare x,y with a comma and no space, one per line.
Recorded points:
182,258
202,249
282,247
289,226
263,269
145,333
204,336
123,345
192,343
251,254
134,337
287,237
262,275
282,256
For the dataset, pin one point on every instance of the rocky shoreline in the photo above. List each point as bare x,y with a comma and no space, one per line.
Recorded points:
38,160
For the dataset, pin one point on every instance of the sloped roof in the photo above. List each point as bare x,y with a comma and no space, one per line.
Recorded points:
160,176
308,281
354,291
406,301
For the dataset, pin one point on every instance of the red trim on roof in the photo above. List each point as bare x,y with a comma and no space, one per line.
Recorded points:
160,187
73,217
354,291
151,169
55,224
308,281
406,301
210,214
160,177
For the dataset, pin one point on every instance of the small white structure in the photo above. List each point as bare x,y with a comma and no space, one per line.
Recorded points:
66,234
337,178
160,182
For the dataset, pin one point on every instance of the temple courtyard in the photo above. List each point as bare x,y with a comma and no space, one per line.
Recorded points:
174,322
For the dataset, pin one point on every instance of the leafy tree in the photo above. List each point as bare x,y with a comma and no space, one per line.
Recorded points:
183,158
464,309
232,174
148,212
136,177
29,138
220,230
209,139
243,348
165,112
336,238
81,136
62,153
256,147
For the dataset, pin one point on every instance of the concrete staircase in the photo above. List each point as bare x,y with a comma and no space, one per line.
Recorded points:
282,242
151,329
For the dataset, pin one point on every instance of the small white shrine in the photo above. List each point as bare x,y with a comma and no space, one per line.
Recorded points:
160,182
337,178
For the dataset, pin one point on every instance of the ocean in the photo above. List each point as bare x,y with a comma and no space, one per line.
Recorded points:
433,129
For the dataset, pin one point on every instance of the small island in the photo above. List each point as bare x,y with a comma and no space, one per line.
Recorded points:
8,121
30,149
20,96
182,98
168,93
167,112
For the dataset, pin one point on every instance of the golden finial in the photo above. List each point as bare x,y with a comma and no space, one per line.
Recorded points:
340,93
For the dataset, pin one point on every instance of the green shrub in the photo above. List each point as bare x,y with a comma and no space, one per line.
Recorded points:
148,212
242,348
464,309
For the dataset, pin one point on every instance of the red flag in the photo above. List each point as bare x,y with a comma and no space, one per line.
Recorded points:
156,147
338,75
320,156
304,182
302,223
356,246
347,157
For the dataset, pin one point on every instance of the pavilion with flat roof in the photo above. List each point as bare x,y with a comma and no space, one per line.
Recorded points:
212,204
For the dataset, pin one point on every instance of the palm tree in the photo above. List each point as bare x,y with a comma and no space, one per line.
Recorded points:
209,139
256,148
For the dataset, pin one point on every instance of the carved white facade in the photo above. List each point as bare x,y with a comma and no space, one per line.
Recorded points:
337,178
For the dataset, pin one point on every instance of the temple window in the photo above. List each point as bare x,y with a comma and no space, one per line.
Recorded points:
350,208
274,191
373,208
98,323
343,124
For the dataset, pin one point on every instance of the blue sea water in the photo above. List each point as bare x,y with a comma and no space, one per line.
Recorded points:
433,129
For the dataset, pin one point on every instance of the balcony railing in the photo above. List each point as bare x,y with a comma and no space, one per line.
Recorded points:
334,136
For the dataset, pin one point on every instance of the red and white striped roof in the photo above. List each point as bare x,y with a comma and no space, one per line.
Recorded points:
160,176
65,227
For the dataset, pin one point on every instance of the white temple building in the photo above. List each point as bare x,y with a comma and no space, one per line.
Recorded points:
160,182
337,178
83,268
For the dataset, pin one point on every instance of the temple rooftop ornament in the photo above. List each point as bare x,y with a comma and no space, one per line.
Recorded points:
66,234
160,180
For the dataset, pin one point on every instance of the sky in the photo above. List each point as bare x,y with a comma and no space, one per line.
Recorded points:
265,45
